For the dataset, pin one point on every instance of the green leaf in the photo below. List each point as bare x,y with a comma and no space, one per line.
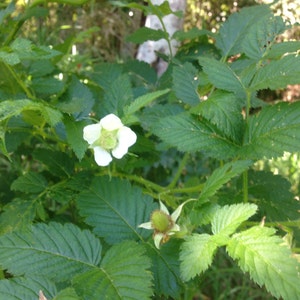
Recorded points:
118,95
222,76
78,100
189,134
273,195
222,175
278,74
165,268
224,110
123,274
55,251
196,255
46,86
143,100
261,35
272,131
74,130
185,83
58,163
234,30
144,34
268,261
67,294
31,182
280,49
228,218
26,288
12,108
17,214
115,209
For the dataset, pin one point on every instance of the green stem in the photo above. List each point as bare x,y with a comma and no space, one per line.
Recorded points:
245,174
20,82
179,171
245,186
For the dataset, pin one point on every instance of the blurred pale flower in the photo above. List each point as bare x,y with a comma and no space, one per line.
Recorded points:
163,224
109,138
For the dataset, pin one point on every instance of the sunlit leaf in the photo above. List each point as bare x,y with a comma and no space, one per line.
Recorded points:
268,261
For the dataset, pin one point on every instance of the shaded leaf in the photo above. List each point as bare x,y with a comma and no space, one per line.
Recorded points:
58,163
224,110
30,182
142,101
78,100
165,268
55,251
123,274
272,194
115,209
74,130
222,175
222,76
272,131
234,30
12,108
26,288
144,34
261,35
278,74
189,134
17,214
185,83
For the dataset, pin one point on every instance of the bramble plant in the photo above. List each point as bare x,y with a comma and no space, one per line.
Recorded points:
75,230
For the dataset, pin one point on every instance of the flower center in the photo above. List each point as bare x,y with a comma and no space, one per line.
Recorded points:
108,139
161,222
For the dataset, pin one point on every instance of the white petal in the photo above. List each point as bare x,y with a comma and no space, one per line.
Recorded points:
119,151
178,210
163,208
126,138
147,225
174,229
157,239
91,133
111,122
102,157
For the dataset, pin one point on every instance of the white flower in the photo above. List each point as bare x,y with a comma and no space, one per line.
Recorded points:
109,137
164,224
